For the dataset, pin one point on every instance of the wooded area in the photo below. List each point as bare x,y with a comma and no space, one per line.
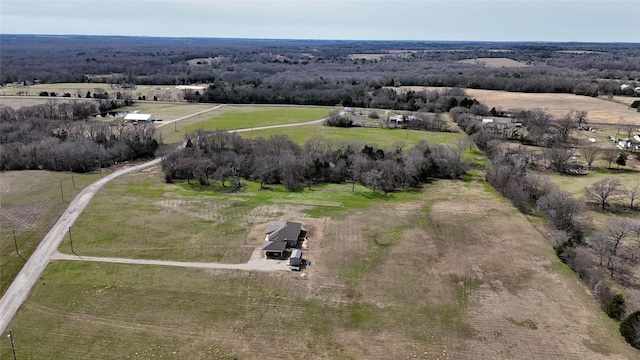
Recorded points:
314,72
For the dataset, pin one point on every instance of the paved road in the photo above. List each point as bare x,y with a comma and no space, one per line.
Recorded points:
19,290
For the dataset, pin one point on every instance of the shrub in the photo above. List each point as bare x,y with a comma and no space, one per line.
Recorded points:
615,307
338,120
43,93
630,329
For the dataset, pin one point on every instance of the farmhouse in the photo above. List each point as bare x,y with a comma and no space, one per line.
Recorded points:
287,232
135,118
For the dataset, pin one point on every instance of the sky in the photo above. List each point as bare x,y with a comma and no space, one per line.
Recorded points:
430,20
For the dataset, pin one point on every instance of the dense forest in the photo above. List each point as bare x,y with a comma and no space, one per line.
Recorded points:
314,72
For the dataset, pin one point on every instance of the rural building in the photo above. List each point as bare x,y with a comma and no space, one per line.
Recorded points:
275,249
295,261
285,231
135,118
396,119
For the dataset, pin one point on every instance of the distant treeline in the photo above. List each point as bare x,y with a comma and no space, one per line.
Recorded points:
318,72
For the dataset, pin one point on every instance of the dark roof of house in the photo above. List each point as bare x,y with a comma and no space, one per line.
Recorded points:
283,231
276,246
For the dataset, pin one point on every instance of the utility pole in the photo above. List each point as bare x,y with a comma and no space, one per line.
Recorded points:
15,242
73,182
71,241
13,346
61,192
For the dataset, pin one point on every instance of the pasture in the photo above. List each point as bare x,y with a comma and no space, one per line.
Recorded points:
415,275
494,62
246,117
601,111
31,203
79,90
384,138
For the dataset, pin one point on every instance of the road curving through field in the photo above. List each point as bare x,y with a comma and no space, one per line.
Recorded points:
19,290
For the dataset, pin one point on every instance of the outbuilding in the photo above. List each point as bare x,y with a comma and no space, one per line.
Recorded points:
135,118
295,260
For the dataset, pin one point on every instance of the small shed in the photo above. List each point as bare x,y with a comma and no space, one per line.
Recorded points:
135,118
295,261
275,249
285,231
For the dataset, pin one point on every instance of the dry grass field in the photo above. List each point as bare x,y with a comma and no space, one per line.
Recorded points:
601,111
494,62
438,274
30,203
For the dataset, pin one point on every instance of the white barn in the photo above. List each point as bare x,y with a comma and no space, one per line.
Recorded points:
139,117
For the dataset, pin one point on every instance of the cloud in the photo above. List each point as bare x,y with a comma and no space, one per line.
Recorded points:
498,20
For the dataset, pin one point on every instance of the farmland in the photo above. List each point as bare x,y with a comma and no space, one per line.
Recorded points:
600,110
422,287
404,264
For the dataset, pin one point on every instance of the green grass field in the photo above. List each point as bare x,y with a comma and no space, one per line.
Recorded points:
418,275
188,222
240,117
30,205
378,136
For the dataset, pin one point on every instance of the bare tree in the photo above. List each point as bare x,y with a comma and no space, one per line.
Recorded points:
538,124
563,210
632,194
581,117
564,126
610,156
604,191
616,231
558,157
590,153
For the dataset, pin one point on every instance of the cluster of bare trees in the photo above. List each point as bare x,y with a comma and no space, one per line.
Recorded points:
221,156
603,259
63,145
610,191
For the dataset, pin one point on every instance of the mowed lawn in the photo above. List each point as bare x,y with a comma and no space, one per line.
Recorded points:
452,271
246,117
384,138
31,203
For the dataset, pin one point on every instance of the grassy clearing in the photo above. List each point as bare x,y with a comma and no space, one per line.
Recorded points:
189,222
31,204
494,62
419,275
378,136
247,117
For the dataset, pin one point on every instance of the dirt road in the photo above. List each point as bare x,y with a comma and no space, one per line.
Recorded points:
17,293
257,262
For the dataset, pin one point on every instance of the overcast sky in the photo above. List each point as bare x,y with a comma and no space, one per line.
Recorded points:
472,20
